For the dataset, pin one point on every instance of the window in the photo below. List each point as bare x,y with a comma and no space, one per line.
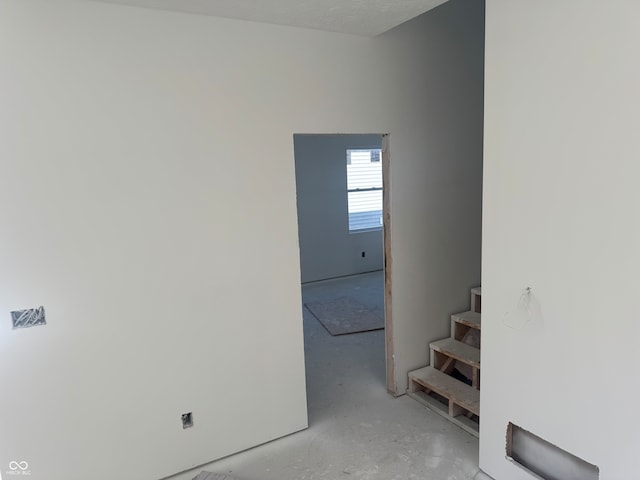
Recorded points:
364,188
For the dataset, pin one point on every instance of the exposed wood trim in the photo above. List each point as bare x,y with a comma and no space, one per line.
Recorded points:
392,386
455,410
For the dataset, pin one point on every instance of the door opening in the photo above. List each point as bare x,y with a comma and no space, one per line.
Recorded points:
343,207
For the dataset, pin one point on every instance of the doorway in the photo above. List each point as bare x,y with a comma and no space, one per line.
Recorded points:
342,184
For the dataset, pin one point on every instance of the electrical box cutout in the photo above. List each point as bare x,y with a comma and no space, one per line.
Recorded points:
30,317
187,420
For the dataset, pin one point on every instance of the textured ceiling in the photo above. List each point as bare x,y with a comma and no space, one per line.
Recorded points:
360,17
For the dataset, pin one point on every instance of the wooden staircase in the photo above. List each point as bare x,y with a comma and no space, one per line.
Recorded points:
450,385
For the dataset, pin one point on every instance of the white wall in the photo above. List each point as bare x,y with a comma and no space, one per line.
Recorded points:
327,249
561,216
148,202
433,98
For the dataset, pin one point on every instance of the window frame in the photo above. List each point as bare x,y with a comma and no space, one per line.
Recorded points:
371,189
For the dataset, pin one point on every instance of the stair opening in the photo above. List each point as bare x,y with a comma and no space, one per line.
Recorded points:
544,459
458,375
441,403
450,384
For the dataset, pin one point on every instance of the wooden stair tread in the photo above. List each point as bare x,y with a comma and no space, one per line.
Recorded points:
470,319
477,291
453,390
458,350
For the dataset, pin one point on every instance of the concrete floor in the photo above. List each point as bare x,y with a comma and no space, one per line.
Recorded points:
356,429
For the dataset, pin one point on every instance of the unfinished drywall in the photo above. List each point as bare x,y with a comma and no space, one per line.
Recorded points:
149,188
434,101
148,203
560,216
327,249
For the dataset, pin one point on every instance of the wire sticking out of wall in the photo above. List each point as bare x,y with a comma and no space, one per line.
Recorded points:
522,315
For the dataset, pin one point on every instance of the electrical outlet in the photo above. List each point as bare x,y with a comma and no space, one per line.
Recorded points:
187,420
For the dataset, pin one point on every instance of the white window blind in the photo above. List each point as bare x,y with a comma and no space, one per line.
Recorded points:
364,188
